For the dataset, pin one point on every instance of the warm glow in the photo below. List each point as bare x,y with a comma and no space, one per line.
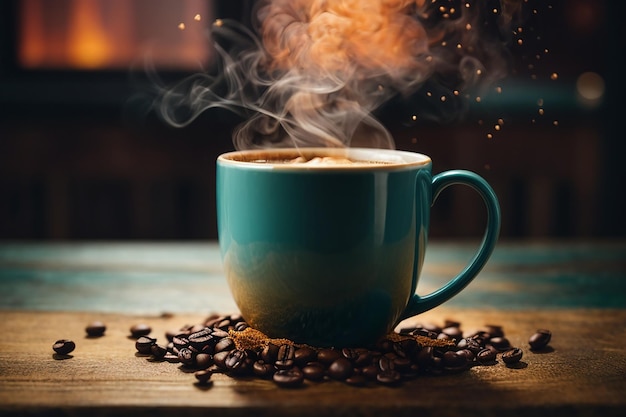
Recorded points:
113,34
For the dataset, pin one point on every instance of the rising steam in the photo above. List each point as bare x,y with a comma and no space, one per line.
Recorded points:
312,72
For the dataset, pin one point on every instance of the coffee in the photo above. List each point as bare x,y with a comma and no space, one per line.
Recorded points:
217,346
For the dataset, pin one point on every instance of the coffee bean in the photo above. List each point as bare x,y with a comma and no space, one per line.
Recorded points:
340,369
226,344
350,354
203,360
204,376
186,356
540,339
144,345
304,355
494,330
158,351
389,377
356,380
454,332
263,369
452,360
512,356
220,359
285,358
328,356
270,353
236,361
486,356
314,371
500,343
140,329
95,329
64,346
291,377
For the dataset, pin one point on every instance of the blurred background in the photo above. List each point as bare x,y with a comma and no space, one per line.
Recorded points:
81,157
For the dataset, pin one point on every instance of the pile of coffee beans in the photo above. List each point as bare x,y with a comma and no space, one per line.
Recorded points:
226,344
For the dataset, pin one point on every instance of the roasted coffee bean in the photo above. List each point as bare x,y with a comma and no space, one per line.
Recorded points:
540,339
203,360
270,353
285,358
171,357
370,371
494,330
291,377
200,338
64,346
467,354
401,364
425,357
340,369
500,343
263,369
314,371
426,333
204,376
144,345
356,380
220,358
364,357
406,347
454,332
219,334
186,356
389,377
180,341
158,351
451,323
486,356
512,356
169,335
304,355
470,344
385,363
328,356
95,329
140,329
236,360
452,360
226,344
350,354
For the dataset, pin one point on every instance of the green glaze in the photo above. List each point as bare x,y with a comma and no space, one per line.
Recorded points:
331,256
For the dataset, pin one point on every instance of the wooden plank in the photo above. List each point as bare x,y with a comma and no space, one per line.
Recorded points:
583,375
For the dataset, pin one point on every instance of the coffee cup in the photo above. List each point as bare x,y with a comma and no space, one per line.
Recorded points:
324,246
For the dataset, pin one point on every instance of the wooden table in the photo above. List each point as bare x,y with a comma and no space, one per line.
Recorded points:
51,291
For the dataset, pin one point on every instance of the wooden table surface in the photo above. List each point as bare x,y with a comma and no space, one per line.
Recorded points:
51,291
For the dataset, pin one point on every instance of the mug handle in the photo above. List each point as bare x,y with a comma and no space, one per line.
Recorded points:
419,304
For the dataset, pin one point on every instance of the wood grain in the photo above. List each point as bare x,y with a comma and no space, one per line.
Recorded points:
583,374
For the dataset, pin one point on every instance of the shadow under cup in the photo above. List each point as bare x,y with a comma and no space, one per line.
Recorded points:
326,254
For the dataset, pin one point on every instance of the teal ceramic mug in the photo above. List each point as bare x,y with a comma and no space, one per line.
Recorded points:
329,254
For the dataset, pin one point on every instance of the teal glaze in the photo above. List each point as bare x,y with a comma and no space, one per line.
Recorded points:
332,257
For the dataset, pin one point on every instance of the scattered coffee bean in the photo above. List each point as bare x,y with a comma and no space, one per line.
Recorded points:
340,369
512,356
500,343
63,346
139,330
540,339
204,376
95,329
144,345
218,345
291,377
486,356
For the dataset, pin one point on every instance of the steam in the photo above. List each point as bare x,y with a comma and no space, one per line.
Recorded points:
313,72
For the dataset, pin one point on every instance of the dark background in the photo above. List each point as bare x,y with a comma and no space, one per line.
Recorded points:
79,161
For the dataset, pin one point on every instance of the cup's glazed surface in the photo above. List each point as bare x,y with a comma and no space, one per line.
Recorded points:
330,255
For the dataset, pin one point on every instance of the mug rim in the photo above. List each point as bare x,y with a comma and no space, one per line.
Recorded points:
390,159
